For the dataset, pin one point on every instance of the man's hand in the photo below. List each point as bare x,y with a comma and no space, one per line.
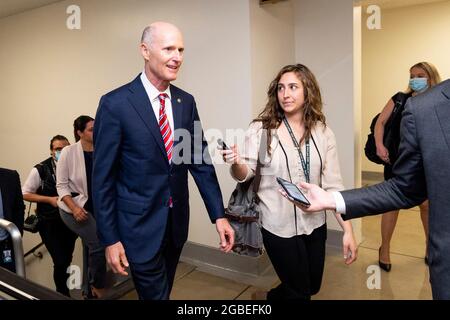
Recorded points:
226,234
116,258
320,199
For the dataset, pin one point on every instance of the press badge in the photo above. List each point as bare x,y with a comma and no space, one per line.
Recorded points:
6,255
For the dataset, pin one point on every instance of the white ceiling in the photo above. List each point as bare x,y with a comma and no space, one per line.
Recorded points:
10,7
389,4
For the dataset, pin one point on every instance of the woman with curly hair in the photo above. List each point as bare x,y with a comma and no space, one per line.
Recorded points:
300,147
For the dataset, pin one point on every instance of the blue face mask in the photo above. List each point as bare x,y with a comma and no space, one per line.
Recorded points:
57,155
418,84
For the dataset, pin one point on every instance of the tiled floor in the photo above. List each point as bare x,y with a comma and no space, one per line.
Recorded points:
408,278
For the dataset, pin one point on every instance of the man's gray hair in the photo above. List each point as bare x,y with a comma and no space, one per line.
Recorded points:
147,35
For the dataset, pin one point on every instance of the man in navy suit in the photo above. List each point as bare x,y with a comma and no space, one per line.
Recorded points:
140,185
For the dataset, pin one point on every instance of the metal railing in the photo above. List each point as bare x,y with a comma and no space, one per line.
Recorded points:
13,287
16,238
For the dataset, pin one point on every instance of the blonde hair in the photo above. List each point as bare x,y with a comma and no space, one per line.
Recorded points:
432,73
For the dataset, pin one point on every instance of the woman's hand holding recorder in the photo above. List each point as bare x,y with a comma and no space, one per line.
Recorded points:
229,154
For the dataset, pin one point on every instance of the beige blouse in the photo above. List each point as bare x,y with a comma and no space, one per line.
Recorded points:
277,213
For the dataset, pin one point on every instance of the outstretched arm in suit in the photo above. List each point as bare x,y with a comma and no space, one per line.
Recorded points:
405,190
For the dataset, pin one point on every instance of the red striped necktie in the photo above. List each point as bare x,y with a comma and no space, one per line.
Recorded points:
164,126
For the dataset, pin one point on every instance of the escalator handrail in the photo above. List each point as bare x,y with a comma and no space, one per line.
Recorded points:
23,289
17,245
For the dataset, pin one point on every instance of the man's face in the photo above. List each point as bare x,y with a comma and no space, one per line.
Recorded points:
57,146
163,58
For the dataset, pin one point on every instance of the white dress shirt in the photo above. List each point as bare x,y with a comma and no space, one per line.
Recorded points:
32,183
340,203
153,96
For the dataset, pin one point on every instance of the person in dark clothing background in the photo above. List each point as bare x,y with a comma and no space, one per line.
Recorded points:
12,209
40,187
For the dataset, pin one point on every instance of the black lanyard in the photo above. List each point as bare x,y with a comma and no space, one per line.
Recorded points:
305,164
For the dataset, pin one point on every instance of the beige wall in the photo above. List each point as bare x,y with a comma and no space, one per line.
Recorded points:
408,35
272,42
357,64
250,64
324,42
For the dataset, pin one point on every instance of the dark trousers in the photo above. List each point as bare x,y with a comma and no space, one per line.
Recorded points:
7,255
60,243
87,231
299,263
154,279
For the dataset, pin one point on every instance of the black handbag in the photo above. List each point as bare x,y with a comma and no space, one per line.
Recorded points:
370,149
243,214
31,223
391,137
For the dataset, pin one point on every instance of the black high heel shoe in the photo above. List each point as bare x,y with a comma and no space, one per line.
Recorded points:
385,266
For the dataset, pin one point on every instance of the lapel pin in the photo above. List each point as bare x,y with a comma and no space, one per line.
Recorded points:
179,100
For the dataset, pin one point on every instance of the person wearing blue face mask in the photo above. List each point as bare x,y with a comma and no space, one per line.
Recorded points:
57,155
423,75
418,85
40,187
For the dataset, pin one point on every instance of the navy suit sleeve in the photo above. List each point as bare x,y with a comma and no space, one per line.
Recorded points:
405,190
107,139
203,171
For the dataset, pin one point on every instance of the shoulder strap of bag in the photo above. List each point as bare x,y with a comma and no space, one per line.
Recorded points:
29,208
262,151
400,101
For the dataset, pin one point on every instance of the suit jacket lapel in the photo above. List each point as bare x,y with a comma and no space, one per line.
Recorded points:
140,102
443,113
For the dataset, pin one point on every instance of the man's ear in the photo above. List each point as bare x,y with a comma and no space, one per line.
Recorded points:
145,51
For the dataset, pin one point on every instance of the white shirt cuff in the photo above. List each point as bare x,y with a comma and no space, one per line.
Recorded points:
340,203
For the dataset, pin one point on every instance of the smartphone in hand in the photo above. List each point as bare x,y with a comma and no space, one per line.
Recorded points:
222,144
293,192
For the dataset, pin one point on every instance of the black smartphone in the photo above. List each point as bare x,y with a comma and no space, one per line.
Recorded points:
222,144
293,192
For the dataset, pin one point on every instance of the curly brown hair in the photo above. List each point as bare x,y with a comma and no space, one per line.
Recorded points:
272,115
